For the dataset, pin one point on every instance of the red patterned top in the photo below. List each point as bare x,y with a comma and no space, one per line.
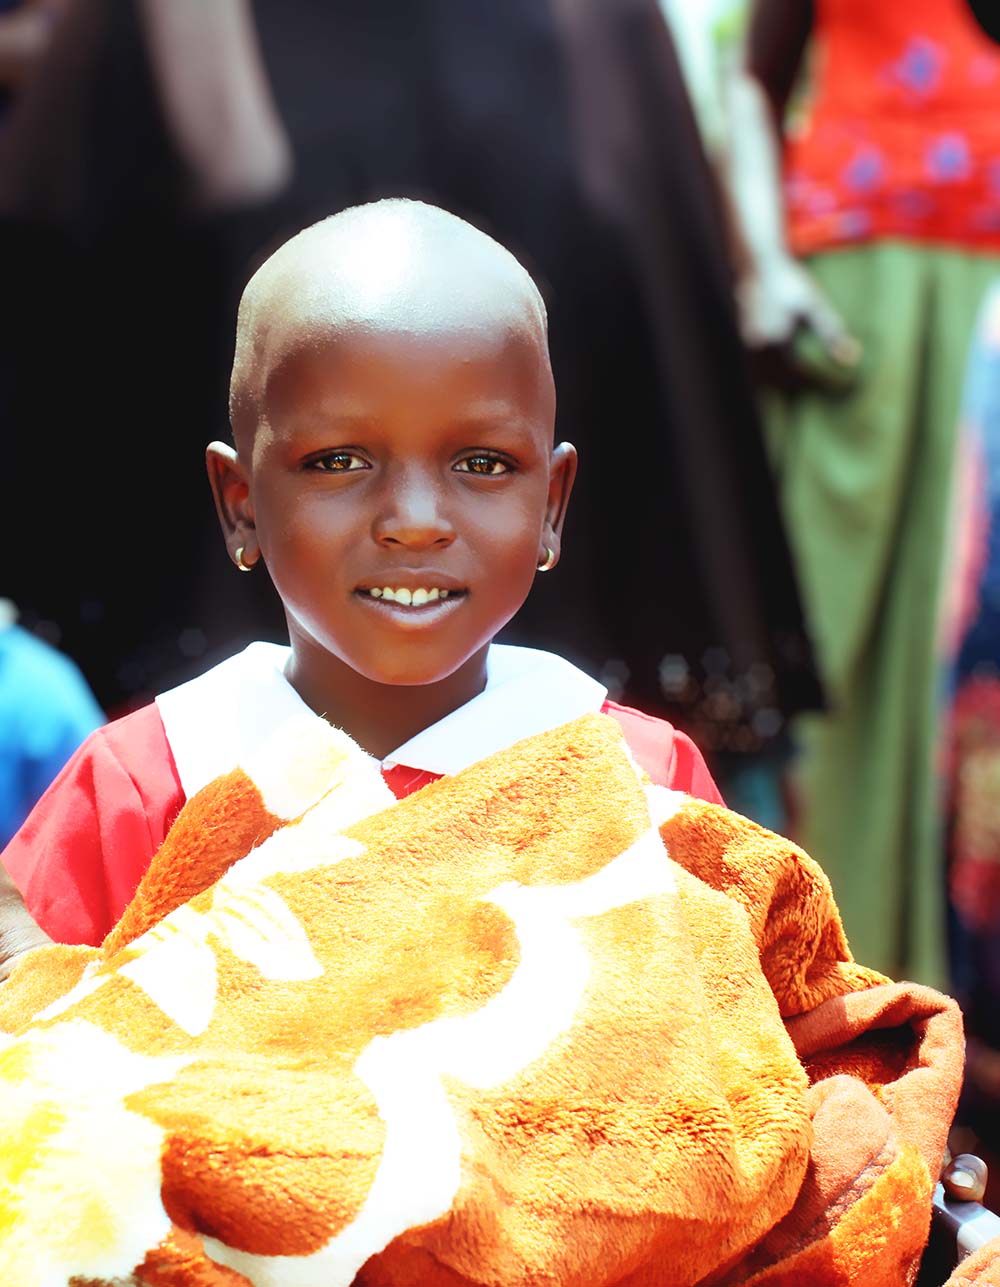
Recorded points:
902,133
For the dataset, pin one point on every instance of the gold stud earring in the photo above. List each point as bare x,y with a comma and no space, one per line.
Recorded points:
243,567
550,561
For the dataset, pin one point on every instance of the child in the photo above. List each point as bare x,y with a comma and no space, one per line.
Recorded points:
543,1022
392,410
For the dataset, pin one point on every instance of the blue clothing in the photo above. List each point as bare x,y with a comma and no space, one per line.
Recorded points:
46,710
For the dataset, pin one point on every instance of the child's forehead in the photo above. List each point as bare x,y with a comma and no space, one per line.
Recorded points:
453,368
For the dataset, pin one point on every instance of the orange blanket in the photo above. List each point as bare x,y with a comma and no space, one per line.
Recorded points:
538,1025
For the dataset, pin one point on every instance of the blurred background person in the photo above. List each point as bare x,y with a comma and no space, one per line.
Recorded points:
145,134
565,130
46,711
869,219
972,741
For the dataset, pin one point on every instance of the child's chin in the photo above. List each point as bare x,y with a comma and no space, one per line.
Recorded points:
411,670
413,677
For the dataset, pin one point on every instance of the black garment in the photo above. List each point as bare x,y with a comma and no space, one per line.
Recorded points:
564,130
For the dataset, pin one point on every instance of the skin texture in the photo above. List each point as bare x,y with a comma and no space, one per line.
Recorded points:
393,411
18,931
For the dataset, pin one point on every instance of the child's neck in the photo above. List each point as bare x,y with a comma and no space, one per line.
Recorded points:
381,717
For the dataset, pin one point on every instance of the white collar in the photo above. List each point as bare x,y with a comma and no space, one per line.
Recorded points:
214,721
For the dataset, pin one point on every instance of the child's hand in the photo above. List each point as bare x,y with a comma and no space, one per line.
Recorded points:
14,944
965,1177
19,932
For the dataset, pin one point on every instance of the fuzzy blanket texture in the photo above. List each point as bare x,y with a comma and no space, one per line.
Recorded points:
541,1024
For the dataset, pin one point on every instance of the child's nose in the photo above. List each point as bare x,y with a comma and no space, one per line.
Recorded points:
414,515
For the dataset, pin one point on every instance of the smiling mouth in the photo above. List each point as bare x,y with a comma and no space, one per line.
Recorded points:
407,598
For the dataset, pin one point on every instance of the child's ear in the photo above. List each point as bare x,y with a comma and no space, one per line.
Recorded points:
231,490
561,476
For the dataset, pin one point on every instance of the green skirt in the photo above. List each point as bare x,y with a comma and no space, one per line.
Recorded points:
865,478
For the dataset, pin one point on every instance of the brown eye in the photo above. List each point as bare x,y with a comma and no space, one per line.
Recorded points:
338,462
483,464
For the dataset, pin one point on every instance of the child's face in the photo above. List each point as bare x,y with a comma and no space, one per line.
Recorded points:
403,490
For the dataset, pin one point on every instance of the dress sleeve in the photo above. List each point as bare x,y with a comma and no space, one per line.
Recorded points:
689,772
669,757
80,854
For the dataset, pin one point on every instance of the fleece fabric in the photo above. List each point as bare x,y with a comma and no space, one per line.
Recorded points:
540,1024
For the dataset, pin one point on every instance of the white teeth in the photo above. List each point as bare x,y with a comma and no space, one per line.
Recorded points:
414,598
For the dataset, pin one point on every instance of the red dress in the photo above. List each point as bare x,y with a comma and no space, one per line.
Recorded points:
82,852
902,135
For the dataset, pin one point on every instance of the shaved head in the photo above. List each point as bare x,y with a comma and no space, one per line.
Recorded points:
393,265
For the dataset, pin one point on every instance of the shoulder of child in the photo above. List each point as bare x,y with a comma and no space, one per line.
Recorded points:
668,755
79,855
